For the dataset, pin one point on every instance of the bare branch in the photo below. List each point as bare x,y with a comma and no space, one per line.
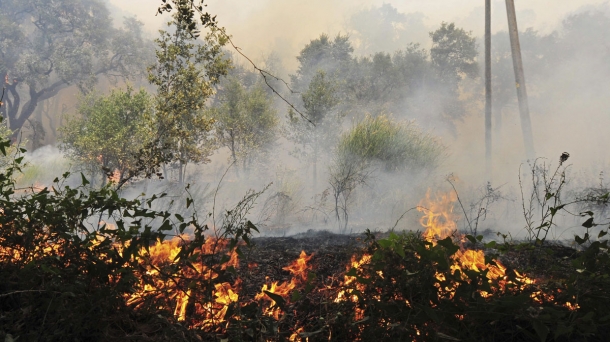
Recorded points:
266,74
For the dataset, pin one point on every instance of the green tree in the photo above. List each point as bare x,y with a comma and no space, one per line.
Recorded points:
453,56
377,142
322,54
246,122
321,131
110,131
46,46
185,75
453,53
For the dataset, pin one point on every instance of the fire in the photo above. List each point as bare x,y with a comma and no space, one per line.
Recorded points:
438,218
439,221
299,270
345,294
166,253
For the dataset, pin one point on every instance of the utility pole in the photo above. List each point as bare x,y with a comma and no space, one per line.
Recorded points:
488,89
526,125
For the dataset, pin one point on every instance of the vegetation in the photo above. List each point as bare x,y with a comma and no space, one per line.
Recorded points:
246,122
184,75
320,131
80,262
46,47
110,132
392,144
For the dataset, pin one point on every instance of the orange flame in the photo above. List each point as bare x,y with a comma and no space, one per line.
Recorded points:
299,270
438,218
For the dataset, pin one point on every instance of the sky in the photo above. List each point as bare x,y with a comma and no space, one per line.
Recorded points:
285,26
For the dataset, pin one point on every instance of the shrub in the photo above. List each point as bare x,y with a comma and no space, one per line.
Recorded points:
394,144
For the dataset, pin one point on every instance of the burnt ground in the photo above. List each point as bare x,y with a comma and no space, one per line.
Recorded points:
265,261
332,253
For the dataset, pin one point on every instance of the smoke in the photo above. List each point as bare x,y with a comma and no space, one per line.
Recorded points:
565,51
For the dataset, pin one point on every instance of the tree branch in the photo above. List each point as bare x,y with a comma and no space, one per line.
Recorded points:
264,74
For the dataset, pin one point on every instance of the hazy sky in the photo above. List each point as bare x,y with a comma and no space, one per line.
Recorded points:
259,26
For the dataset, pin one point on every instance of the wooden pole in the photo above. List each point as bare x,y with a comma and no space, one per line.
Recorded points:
526,125
488,89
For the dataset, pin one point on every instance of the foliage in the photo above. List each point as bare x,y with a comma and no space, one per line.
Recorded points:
70,258
110,131
46,46
184,75
453,53
393,144
321,131
332,57
544,200
401,293
246,122
186,11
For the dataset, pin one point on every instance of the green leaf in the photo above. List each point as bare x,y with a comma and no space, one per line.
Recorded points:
251,226
589,223
399,250
580,240
352,272
471,238
602,234
384,243
83,179
449,245
490,244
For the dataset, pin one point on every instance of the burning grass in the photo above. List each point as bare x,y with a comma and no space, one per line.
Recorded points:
65,279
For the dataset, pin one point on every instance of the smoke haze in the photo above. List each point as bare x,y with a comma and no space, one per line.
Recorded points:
565,56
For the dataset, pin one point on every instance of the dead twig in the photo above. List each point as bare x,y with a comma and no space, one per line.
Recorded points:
266,74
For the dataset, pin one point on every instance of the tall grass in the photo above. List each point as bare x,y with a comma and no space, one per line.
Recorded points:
397,145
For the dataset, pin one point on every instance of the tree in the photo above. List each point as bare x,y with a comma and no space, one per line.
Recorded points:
110,131
322,54
185,74
453,56
319,101
453,53
47,46
246,121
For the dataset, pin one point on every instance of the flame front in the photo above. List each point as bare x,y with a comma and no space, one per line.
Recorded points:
165,253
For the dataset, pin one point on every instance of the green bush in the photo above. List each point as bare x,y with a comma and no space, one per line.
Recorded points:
71,257
394,144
